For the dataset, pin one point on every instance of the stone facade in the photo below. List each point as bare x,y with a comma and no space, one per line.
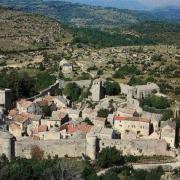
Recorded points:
97,90
138,147
71,148
90,146
6,98
139,126
6,144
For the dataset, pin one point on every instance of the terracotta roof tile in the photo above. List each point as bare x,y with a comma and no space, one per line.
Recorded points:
24,103
119,118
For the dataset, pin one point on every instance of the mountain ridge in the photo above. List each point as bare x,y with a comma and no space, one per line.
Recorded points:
85,15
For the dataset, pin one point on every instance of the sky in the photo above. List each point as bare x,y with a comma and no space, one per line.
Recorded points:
159,3
129,4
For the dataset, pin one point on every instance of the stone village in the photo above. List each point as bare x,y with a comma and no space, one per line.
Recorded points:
77,129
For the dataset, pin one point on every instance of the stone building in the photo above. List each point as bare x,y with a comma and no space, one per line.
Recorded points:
137,125
177,109
6,98
67,68
6,144
25,106
168,132
97,90
140,91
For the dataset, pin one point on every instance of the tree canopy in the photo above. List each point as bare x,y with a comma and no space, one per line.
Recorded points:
155,101
109,156
72,91
111,88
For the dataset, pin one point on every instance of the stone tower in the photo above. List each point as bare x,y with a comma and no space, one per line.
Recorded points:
91,145
6,98
6,144
177,109
97,90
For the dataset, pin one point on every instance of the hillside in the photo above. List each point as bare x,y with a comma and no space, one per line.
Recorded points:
27,32
76,14
92,16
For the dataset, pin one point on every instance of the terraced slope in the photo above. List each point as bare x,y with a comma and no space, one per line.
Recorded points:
27,32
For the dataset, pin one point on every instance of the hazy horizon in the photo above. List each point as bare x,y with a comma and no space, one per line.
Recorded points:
129,4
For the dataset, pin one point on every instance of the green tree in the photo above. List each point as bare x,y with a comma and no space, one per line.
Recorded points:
136,81
103,113
46,110
155,101
110,176
109,156
167,114
72,91
88,121
111,88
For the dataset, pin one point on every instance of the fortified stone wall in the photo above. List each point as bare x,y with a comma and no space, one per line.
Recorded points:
51,89
6,98
6,144
72,148
138,147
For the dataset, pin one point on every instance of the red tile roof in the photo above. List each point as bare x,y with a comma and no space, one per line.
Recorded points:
41,128
72,129
24,103
119,118
13,112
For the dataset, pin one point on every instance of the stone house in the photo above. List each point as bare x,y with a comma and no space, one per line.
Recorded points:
39,129
24,106
126,112
155,119
71,129
20,124
139,91
110,119
61,102
103,133
50,123
67,68
99,121
15,129
89,113
72,113
168,132
139,126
